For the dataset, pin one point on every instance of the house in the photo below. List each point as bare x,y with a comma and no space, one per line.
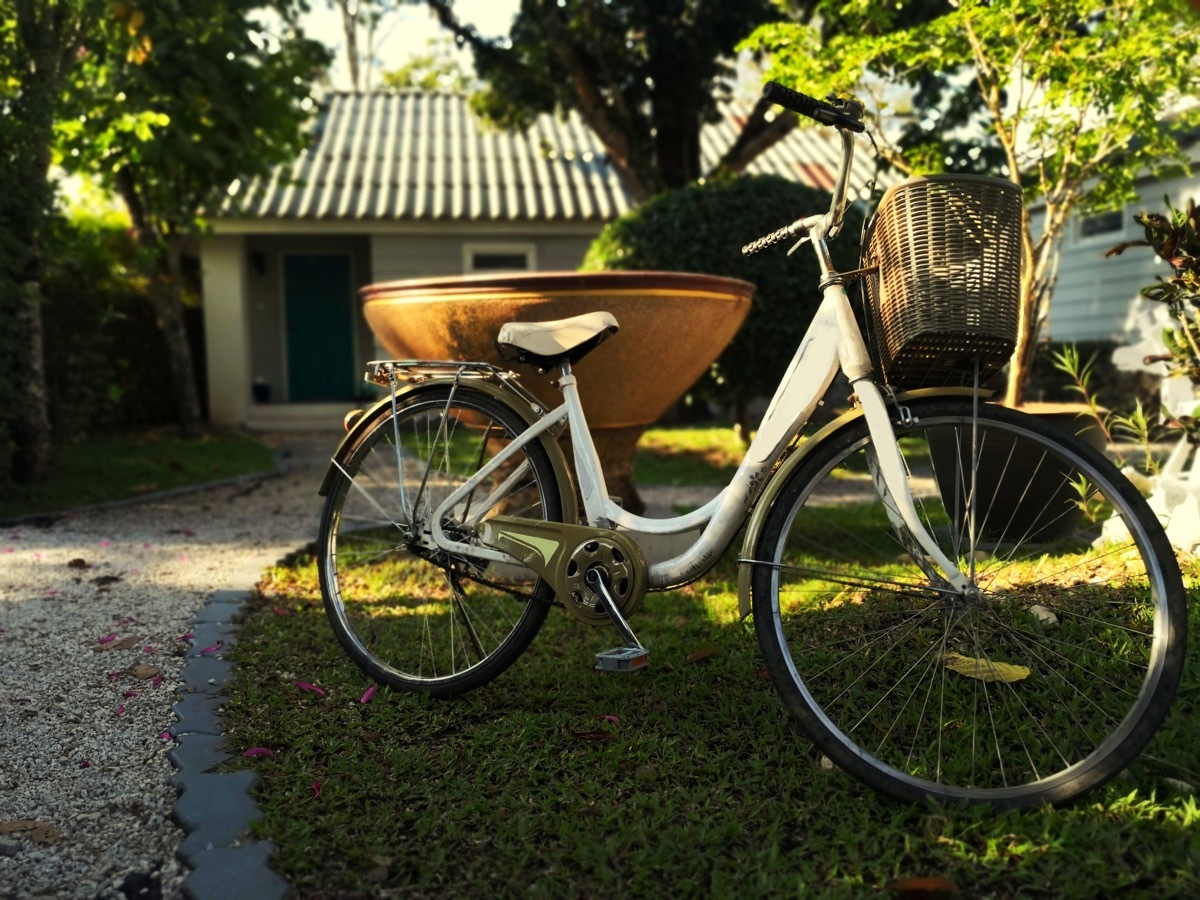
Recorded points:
1098,298
402,185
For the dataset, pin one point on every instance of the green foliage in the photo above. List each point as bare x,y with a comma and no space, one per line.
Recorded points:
1067,94
1175,239
433,71
644,76
106,361
701,228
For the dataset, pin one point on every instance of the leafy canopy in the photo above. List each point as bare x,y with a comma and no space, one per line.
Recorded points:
1082,97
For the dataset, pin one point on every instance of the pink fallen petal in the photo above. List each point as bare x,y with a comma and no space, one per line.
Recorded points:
113,676
612,719
107,639
20,700
157,680
305,686
316,789
121,710
164,735
214,648
186,636
370,692
128,694
130,620
106,543
85,764
37,555
148,649
187,532
49,593
183,557
280,611
146,545
134,572
9,550
259,751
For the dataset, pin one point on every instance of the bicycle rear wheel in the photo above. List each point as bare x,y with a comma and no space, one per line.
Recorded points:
1045,679
409,614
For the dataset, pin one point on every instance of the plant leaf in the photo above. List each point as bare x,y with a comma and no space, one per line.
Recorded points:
985,669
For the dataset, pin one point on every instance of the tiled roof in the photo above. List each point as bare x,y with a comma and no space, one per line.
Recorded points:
418,156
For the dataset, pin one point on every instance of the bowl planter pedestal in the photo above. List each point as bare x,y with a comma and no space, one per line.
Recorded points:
1044,511
673,325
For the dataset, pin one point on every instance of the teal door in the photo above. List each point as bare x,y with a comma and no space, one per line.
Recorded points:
320,327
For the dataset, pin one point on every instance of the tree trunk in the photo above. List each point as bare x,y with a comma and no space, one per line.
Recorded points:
30,425
166,295
165,279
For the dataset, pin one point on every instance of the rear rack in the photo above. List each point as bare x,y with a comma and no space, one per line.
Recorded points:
386,372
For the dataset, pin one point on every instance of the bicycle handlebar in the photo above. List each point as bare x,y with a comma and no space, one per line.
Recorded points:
815,109
845,116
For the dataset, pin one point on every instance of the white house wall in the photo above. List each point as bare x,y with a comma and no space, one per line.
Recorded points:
1096,296
427,255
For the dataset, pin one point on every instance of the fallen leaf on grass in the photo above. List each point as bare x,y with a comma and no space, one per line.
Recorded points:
42,832
702,653
932,887
985,669
371,737
597,735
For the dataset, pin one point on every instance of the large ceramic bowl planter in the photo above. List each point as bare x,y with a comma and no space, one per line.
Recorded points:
673,325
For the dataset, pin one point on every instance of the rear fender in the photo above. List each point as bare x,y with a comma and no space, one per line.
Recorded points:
518,404
781,475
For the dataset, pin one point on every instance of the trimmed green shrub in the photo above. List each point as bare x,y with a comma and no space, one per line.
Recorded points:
702,228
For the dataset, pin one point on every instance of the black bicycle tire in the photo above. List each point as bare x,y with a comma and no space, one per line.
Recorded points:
1064,786
348,461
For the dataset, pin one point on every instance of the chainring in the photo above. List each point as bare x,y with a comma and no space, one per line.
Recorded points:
626,578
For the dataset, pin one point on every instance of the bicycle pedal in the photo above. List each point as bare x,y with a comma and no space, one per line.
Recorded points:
623,659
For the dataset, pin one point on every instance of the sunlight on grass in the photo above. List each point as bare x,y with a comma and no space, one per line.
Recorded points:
558,780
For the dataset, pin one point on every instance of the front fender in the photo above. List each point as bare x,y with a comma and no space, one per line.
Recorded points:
558,461
780,477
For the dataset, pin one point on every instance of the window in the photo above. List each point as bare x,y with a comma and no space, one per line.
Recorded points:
1107,224
481,258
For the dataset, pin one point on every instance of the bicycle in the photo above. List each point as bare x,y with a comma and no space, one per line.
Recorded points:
963,632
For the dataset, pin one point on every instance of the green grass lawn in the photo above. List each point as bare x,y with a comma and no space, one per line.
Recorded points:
687,779
103,469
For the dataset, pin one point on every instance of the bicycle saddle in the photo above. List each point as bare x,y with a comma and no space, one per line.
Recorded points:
544,344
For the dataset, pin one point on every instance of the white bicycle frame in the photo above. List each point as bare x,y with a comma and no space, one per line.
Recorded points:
833,341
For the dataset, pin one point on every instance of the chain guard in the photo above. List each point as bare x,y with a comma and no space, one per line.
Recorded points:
562,554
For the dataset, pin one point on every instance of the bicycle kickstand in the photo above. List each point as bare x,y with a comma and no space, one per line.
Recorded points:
629,658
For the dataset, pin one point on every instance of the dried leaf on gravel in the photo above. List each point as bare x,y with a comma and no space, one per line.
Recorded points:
104,581
78,563
123,644
42,832
142,671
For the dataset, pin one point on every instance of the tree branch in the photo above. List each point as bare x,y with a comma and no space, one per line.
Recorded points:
757,135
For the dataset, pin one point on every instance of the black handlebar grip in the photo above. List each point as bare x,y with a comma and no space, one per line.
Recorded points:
809,106
770,240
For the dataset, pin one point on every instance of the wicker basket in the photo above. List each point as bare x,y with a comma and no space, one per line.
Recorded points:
948,286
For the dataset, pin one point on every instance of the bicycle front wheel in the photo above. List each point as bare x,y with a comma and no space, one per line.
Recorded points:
411,615
1044,679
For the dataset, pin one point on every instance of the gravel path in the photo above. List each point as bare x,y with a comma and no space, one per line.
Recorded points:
94,607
